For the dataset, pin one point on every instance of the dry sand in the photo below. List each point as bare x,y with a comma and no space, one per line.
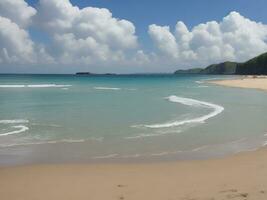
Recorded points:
239,177
252,82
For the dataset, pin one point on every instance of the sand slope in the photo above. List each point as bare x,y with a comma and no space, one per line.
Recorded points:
247,82
243,176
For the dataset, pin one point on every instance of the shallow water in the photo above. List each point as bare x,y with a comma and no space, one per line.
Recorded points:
65,118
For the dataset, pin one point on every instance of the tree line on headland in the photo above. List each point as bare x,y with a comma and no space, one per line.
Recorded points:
254,66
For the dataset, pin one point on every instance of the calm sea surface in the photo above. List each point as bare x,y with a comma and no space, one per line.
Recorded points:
68,118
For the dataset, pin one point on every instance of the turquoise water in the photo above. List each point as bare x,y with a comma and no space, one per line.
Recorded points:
66,118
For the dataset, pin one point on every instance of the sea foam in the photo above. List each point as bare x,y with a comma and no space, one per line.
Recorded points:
217,109
21,128
151,134
48,86
14,121
12,86
106,88
49,142
106,156
35,86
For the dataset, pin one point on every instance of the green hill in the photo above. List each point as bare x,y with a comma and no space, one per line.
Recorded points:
255,66
221,68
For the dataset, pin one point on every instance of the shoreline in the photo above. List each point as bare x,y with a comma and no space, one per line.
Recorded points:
240,176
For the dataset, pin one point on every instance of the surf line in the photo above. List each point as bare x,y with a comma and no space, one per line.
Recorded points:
217,109
20,128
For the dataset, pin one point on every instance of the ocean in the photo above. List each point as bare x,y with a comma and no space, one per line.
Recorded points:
111,118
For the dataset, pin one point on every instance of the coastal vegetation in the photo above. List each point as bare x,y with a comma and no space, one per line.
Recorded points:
254,66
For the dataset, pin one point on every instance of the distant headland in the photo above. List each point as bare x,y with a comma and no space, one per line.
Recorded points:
254,66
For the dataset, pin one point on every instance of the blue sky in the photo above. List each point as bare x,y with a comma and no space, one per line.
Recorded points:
192,12
65,36
167,12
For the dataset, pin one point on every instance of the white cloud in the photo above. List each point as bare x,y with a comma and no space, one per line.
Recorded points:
164,39
234,38
18,11
86,37
16,46
89,35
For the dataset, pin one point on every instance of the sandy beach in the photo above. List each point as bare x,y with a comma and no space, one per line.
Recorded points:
241,176
252,82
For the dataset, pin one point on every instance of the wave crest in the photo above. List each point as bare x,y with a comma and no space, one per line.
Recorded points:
106,88
20,128
13,121
217,109
35,86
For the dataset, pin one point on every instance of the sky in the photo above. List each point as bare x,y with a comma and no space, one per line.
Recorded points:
119,36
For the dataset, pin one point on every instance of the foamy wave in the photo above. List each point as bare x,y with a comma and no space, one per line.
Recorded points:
106,156
217,109
27,144
35,86
20,127
168,153
200,148
48,86
151,134
199,82
131,156
106,88
160,154
203,86
15,121
145,135
12,86
47,125
71,141
50,142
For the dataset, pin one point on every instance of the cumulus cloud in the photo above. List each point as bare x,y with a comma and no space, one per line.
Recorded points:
164,39
16,45
18,11
87,35
235,38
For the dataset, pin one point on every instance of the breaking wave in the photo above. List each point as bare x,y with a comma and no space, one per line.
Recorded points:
217,109
21,128
106,88
35,86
